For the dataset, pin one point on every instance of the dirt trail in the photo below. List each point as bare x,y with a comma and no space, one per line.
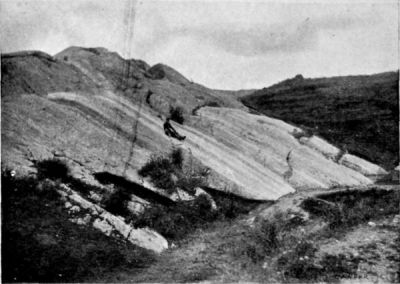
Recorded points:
204,255
209,255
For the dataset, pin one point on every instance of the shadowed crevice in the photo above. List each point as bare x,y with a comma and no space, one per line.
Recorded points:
133,188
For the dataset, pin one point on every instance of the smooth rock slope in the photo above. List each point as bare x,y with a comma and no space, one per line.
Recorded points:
110,122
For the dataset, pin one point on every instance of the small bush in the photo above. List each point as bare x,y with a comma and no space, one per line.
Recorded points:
167,173
339,266
176,114
52,169
160,170
189,182
319,207
299,262
177,158
198,274
230,206
259,242
116,202
175,222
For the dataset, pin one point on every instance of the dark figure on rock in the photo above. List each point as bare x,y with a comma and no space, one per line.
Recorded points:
171,132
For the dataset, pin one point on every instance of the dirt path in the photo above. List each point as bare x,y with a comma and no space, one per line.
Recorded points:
204,255
212,254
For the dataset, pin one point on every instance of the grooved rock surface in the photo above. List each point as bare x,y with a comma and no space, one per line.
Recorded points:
362,166
115,127
358,113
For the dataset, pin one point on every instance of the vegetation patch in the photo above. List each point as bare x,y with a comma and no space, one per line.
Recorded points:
176,221
300,263
176,114
350,208
259,242
173,220
166,173
116,202
41,244
282,246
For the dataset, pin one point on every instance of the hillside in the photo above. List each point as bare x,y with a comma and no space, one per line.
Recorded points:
86,126
109,121
359,114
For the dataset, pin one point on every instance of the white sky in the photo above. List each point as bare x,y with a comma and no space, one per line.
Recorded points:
221,44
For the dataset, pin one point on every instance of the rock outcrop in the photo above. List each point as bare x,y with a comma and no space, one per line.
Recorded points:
358,113
106,125
362,166
110,224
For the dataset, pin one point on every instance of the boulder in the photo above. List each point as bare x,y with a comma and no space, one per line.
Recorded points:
137,205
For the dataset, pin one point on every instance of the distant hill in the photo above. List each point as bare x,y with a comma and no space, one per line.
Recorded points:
358,113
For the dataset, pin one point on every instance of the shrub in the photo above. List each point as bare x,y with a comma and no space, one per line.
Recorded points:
198,274
116,202
167,173
190,181
159,169
52,169
259,242
177,157
175,222
339,266
231,206
176,114
319,207
299,262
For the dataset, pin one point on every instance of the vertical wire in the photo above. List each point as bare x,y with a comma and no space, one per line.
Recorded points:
128,46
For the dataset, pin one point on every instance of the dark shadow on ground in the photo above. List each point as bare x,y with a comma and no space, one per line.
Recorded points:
133,188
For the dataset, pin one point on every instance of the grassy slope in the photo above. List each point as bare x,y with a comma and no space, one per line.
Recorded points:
36,72
357,113
41,244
